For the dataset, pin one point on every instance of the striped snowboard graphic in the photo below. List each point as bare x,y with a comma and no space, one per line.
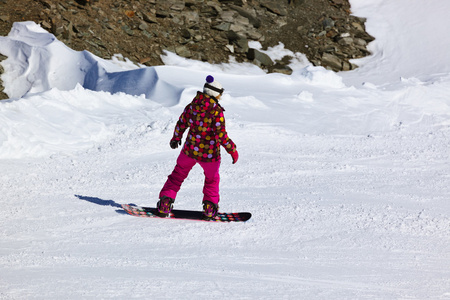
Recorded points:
150,212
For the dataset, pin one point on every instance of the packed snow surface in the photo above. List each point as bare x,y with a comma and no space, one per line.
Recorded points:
347,175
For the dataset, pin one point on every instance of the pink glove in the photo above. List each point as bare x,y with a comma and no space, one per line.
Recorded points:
235,156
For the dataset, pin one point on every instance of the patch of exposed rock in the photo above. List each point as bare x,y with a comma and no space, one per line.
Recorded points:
2,88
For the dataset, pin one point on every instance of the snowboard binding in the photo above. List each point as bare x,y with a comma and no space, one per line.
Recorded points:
210,210
164,206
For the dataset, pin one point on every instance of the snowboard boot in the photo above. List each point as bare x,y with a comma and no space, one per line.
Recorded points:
164,206
210,210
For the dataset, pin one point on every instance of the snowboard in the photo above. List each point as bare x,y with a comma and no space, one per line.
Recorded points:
151,212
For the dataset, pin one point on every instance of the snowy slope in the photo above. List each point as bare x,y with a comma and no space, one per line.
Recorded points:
411,42
346,175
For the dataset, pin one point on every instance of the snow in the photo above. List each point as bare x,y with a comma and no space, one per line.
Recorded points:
411,41
346,175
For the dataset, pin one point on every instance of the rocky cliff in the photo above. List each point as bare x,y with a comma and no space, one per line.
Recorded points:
207,30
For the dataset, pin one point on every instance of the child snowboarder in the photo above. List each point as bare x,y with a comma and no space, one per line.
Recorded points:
205,119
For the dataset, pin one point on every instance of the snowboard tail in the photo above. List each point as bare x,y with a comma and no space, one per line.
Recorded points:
151,212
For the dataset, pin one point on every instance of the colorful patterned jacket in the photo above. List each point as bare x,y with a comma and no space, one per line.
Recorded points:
206,122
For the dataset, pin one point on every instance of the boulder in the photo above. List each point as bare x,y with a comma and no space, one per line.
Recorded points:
251,16
183,51
274,6
239,41
281,68
259,58
332,61
345,41
5,18
149,18
327,23
224,26
178,6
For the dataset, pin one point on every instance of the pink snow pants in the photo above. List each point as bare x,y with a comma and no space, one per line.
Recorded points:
181,171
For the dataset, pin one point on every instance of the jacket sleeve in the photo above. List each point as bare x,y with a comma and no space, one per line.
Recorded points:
182,124
221,133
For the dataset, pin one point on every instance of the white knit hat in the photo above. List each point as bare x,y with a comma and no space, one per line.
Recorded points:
212,87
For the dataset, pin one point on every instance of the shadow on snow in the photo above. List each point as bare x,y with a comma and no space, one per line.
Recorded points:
102,202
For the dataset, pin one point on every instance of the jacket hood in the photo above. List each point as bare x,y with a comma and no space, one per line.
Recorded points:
203,103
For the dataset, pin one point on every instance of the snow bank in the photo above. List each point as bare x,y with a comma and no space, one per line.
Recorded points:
69,121
38,62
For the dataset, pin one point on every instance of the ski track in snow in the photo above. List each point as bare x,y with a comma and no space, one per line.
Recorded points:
333,216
